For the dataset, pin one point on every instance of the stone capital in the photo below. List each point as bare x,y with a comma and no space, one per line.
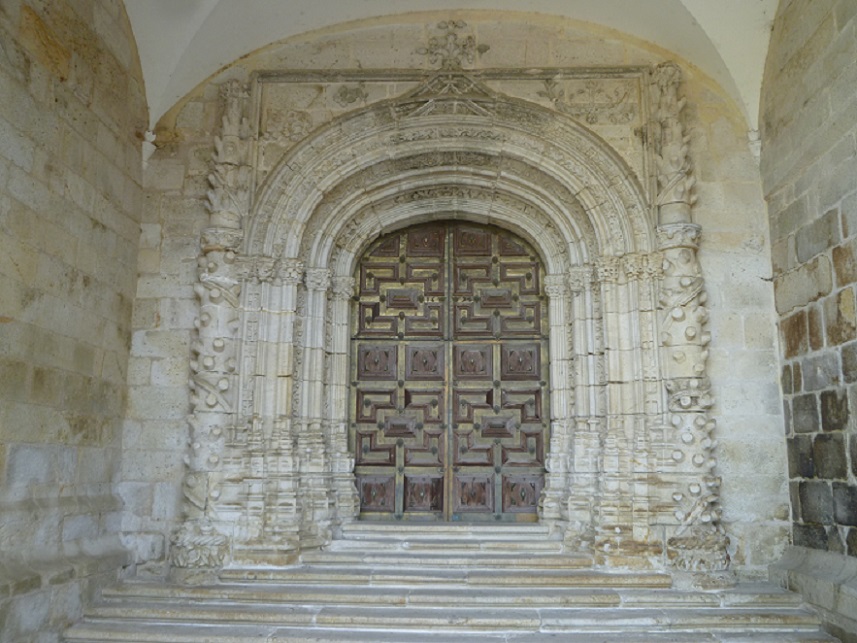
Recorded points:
317,278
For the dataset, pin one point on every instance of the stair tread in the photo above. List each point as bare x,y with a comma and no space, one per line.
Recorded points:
387,588
193,633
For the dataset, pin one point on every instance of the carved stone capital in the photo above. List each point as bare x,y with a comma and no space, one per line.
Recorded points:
556,286
579,278
343,287
290,271
318,279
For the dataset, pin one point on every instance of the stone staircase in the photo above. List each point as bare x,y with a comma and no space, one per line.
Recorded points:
408,583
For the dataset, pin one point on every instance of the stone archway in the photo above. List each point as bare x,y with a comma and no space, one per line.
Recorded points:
270,471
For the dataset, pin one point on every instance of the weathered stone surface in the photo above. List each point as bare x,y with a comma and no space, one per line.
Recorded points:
845,263
829,457
840,316
820,371
852,450
812,536
794,333
818,236
816,502
805,417
800,452
806,283
834,410
849,363
845,503
815,328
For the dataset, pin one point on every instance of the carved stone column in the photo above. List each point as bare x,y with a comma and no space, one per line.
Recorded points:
315,483
585,441
699,543
204,539
346,499
696,541
555,492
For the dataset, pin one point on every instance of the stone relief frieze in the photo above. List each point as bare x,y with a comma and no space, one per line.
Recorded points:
593,101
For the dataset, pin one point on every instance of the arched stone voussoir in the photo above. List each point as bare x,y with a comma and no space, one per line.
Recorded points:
505,141
546,215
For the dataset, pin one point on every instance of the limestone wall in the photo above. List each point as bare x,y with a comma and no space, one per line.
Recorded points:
734,254
809,165
71,110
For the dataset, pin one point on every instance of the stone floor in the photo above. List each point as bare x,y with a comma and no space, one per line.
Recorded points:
449,585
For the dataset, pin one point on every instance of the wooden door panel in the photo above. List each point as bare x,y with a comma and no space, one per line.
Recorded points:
449,376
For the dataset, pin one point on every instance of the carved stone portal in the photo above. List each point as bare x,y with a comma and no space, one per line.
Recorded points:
628,453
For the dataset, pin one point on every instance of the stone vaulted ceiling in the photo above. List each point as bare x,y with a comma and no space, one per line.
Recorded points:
182,42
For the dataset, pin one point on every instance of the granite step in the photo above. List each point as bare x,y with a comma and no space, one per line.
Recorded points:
391,585
333,594
106,632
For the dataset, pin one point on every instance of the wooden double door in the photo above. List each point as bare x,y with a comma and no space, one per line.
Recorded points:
449,396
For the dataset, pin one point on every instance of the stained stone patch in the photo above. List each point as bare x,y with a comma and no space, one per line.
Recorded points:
828,456
800,453
845,262
786,380
852,448
834,410
805,413
845,504
816,502
812,536
851,541
815,327
849,362
794,333
820,371
821,234
840,315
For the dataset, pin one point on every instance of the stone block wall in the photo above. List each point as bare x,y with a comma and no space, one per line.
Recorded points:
71,114
809,169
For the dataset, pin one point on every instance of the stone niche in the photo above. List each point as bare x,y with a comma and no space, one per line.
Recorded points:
591,167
